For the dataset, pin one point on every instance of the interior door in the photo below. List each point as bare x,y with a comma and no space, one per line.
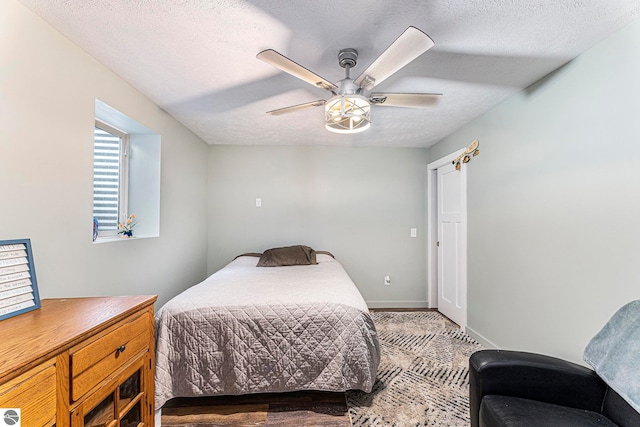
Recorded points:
451,250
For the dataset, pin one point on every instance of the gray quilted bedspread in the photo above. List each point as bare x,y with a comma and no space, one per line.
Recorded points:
249,329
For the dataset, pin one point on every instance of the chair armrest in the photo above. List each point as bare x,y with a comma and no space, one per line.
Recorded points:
532,376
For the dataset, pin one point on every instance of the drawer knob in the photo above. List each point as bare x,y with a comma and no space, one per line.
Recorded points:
121,349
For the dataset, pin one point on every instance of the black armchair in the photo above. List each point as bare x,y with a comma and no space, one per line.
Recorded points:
517,389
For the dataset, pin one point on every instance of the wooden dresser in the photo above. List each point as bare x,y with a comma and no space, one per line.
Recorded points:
80,362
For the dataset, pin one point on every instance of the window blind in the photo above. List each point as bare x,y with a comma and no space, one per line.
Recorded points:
106,179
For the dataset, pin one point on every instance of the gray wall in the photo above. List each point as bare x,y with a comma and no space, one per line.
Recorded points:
48,88
358,203
554,203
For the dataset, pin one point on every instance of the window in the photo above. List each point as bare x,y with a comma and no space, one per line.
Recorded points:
110,177
126,174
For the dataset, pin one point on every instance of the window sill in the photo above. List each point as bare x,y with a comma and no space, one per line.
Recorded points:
109,239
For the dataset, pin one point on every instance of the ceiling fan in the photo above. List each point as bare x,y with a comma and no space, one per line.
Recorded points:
348,110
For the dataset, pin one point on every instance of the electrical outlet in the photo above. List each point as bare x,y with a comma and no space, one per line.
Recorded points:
387,280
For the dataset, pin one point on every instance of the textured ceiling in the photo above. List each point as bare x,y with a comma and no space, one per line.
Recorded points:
196,58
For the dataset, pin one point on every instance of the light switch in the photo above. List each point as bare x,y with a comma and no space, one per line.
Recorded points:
258,202
414,232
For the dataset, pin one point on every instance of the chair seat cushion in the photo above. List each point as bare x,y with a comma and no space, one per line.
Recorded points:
506,411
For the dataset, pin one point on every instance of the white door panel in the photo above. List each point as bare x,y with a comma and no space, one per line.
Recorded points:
451,243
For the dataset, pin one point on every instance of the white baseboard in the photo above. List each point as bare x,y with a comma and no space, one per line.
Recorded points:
398,304
481,339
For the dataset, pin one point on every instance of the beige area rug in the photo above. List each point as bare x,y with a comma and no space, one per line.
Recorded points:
423,378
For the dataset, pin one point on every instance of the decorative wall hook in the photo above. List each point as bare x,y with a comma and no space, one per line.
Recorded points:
465,157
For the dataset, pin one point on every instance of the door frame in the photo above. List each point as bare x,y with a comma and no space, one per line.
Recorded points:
432,230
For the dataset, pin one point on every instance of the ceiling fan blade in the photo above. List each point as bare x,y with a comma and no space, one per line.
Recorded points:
272,57
298,107
411,44
408,100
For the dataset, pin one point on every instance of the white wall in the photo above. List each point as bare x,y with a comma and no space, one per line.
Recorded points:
554,202
48,88
358,203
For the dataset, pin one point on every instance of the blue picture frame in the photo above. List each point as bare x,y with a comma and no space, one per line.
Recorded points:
18,284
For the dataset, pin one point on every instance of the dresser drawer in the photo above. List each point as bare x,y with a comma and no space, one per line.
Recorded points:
93,363
34,392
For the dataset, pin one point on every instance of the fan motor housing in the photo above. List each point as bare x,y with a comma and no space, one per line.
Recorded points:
348,58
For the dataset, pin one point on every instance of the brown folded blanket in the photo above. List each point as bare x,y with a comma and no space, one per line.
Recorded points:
256,254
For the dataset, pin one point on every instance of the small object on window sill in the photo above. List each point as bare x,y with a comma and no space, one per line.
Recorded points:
126,229
95,228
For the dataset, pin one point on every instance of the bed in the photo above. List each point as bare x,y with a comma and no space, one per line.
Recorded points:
249,329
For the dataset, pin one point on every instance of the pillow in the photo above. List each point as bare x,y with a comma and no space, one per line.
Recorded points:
290,255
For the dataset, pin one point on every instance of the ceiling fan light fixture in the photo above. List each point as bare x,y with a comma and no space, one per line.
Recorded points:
347,114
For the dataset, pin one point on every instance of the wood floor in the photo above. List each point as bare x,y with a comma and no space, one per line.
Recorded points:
316,408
